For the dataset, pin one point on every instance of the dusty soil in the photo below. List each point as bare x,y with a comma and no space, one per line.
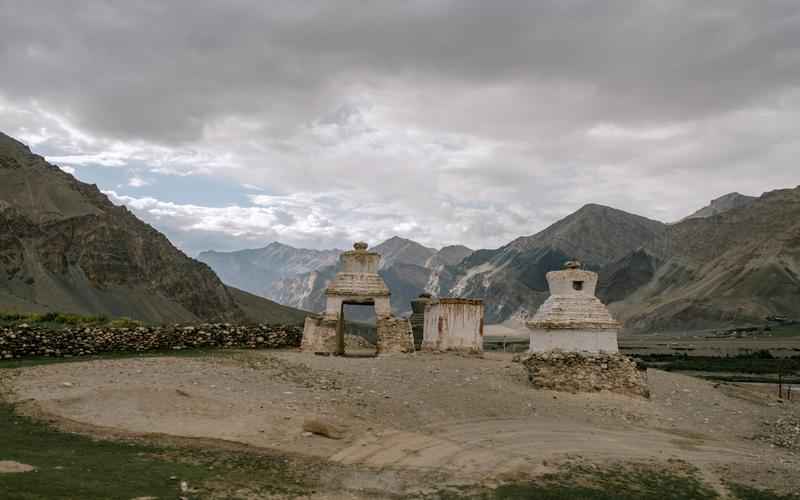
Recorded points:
12,467
473,418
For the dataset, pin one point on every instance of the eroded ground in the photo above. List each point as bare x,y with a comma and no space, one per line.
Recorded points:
472,419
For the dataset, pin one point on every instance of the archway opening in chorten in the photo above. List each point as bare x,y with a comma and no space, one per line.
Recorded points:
356,333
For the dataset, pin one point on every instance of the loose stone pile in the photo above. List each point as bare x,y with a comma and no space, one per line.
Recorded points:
356,342
585,372
29,341
784,432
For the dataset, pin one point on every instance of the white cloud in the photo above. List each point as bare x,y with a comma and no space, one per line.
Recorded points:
138,182
612,131
344,127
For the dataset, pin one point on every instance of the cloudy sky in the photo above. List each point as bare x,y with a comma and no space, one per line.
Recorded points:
232,124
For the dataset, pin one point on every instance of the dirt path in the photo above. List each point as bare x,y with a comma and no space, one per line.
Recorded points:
507,446
474,417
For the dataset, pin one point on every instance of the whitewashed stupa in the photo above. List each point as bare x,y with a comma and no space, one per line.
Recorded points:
572,319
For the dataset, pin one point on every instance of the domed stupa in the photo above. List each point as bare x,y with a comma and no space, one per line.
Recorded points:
572,318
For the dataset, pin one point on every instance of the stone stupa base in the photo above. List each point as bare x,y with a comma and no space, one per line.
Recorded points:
585,372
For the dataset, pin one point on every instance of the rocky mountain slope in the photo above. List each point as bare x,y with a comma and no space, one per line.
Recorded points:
735,267
407,267
257,270
397,250
65,247
723,204
735,261
511,279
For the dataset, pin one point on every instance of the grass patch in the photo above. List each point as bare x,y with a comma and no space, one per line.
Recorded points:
37,361
785,331
761,362
71,466
747,493
64,320
618,482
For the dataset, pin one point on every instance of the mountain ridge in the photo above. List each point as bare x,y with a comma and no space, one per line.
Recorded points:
737,266
65,246
653,275
723,204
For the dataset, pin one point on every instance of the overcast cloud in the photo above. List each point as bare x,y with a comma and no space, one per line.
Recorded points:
232,124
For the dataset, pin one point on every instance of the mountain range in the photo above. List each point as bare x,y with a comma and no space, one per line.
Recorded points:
64,246
735,266
734,261
407,267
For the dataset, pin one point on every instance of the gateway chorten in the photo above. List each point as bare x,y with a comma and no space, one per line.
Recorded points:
357,282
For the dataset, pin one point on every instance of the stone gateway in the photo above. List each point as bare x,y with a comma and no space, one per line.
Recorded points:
357,282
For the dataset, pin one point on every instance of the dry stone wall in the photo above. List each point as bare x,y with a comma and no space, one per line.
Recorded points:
394,335
585,372
25,341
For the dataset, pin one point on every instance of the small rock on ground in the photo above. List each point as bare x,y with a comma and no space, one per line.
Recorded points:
323,428
11,467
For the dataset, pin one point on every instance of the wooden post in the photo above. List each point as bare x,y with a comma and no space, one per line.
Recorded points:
340,330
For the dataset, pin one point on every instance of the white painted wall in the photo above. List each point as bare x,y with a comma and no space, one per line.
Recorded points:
574,340
453,325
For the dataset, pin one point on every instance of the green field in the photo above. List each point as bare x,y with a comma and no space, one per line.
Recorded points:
64,320
761,362
785,331
71,466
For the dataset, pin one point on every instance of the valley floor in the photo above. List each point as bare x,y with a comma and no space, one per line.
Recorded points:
422,420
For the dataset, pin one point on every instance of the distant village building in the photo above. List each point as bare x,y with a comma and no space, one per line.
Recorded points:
453,325
573,319
357,282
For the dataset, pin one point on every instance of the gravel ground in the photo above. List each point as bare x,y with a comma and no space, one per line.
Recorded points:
477,416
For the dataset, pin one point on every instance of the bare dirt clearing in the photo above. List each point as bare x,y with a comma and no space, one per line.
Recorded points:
12,467
474,418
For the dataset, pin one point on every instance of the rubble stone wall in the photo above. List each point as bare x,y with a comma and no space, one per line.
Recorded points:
394,335
25,341
585,372
319,335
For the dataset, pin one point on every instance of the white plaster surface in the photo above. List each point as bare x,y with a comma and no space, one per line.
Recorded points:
572,318
453,325
574,340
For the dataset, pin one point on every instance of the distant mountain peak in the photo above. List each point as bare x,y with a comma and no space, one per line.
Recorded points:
595,234
722,204
595,207
395,241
